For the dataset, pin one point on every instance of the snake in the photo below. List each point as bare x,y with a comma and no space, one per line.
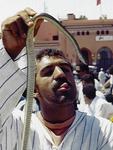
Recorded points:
37,20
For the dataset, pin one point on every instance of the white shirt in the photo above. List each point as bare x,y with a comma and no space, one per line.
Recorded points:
102,77
85,133
81,99
21,105
99,107
111,79
98,85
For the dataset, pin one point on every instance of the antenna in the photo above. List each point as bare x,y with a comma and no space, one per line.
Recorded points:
99,3
45,7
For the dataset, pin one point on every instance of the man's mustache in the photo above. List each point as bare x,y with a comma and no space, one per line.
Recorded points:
60,81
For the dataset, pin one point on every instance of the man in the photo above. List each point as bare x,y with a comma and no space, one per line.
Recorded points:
111,77
108,86
83,69
87,79
102,76
109,83
96,106
58,126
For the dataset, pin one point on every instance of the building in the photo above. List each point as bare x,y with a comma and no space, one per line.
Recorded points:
95,39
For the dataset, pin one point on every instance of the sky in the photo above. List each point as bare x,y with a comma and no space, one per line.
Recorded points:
58,8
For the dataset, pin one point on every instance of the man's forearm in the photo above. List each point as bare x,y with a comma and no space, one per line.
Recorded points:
12,84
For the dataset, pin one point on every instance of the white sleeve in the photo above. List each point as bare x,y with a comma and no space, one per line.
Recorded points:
21,60
12,84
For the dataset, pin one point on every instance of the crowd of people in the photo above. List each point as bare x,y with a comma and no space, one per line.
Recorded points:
95,93
73,112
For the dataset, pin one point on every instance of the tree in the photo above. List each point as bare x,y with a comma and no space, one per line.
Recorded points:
103,17
83,17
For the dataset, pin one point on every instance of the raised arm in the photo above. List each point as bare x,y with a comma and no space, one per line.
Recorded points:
14,30
12,79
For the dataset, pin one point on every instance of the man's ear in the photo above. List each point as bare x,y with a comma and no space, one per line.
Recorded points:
36,92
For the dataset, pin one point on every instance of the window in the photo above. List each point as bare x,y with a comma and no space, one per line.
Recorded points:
98,32
55,37
102,32
78,33
107,32
87,32
83,33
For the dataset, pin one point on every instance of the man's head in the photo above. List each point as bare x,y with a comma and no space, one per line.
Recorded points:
111,70
88,79
101,69
82,69
54,78
89,92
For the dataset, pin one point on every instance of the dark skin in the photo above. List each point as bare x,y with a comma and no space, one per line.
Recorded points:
14,31
55,84
57,100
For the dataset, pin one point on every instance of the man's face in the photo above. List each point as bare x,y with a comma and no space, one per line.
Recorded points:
55,81
80,72
84,82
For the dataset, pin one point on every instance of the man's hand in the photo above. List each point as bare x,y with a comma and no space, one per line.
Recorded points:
14,31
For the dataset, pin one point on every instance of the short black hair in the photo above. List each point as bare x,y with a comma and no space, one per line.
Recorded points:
88,78
109,98
111,69
89,90
51,52
83,67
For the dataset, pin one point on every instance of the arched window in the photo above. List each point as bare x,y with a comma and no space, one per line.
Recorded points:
102,32
83,33
98,32
87,32
78,33
107,31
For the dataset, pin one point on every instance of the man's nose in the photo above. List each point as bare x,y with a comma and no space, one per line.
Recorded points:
58,72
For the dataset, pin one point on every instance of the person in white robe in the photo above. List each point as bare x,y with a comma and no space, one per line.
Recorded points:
96,106
86,79
102,76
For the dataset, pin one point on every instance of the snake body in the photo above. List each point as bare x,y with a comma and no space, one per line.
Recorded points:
31,67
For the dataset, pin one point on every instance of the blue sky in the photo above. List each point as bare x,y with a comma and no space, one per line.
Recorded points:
58,8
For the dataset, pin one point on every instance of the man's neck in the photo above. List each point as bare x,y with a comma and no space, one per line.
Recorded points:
58,114
57,128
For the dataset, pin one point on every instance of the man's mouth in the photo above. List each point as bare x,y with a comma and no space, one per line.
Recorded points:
64,87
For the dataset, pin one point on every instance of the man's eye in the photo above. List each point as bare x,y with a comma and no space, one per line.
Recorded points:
48,72
66,69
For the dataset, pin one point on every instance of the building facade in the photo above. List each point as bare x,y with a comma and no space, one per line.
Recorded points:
95,39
